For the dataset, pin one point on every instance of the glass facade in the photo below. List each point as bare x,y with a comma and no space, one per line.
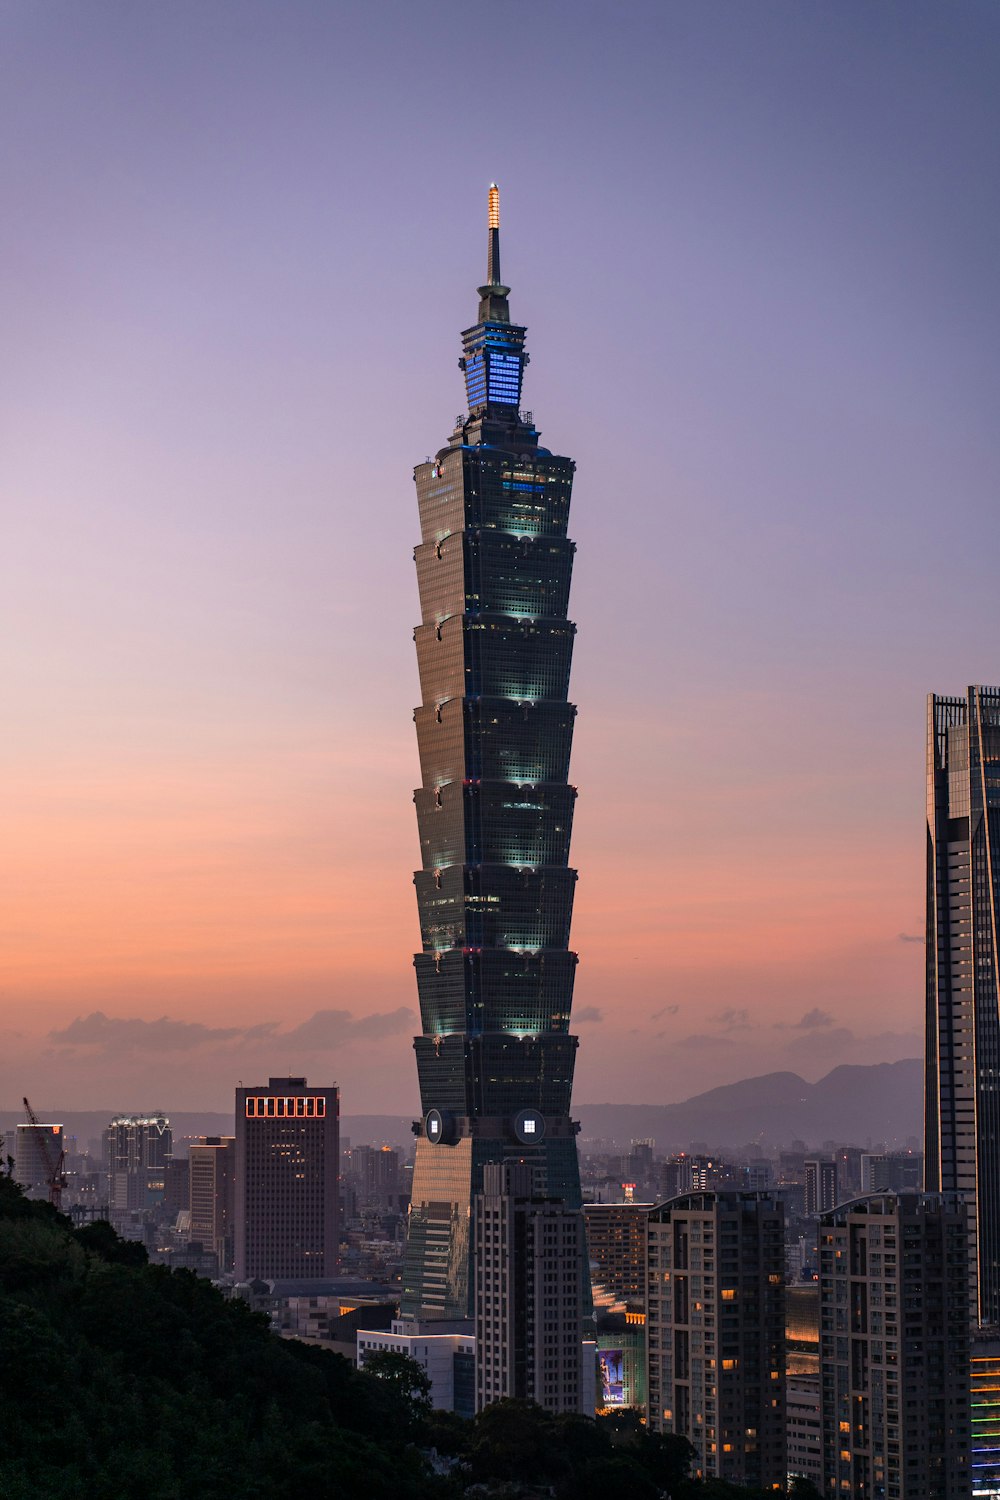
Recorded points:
494,811
962,1103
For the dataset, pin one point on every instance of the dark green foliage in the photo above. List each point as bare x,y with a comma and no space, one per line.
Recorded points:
125,1381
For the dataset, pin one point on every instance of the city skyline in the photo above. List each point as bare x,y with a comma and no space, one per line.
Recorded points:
755,254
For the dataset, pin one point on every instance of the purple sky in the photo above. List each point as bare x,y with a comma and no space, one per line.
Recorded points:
756,248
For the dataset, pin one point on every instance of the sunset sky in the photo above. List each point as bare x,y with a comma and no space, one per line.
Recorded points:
756,248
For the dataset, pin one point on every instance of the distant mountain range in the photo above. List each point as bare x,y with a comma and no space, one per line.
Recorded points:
862,1105
874,1104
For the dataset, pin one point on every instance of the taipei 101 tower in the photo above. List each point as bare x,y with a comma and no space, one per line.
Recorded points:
494,811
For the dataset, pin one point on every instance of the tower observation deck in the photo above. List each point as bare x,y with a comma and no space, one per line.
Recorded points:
494,810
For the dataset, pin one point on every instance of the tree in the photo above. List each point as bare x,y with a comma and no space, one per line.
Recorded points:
408,1378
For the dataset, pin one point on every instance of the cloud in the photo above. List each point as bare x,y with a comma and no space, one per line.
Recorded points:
910,937
665,1010
813,1019
733,1019
332,1028
324,1030
114,1034
588,1013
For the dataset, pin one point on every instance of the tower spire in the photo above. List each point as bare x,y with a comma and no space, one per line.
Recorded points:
493,252
493,296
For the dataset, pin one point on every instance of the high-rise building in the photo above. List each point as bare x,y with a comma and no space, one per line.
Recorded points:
803,1422
715,1332
529,1268
962,1052
495,809
37,1153
212,1190
287,1212
616,1245
136,1148
894,1347
821,1185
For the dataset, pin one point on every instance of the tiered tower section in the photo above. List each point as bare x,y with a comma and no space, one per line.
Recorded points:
495,809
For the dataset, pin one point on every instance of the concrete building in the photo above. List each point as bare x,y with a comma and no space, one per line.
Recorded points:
529,1265
894,1347
212,1194
715,1330
37,1153
445,1352
821,1186
287,1212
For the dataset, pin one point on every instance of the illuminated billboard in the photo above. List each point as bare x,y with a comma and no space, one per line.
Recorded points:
612,1377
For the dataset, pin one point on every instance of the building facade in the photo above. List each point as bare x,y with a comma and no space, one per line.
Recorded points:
894,1348
962,1053
616,1247
212,1195
495,889
446,1356
820,1185
715,1331
136,1149
287,1213
38,1154
529,1268
803,1416
984,1393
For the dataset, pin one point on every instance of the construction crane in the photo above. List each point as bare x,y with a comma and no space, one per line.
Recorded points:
55,1177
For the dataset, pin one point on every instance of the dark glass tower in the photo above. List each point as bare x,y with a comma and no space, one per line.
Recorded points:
495,810
962,1097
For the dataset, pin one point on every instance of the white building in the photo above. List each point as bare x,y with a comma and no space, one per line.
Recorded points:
447,1358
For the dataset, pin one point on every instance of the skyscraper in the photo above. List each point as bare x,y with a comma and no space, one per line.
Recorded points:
212,1194
894,1347
495,809
715,1331
529,1269
962,1098
136,1148
287,1213
37,1152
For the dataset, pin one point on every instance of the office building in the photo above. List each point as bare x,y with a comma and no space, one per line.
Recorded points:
136,1149
821,1186
212,1195
38,1154
616,1248
894,1347
287,1216
495,809
715,1331
529,1267
962,1054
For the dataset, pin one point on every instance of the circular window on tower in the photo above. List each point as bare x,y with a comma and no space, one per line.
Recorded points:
529,1126
437,1126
